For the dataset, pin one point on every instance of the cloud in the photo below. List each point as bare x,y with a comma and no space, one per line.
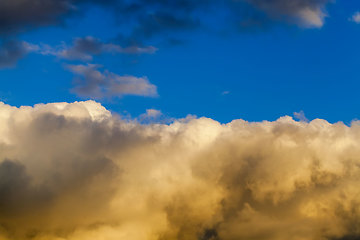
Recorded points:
154,116
151,114
19,15
355,17
155,18
11,51
301,116
90,82
308,13
72,171
85,48
145,20
152,16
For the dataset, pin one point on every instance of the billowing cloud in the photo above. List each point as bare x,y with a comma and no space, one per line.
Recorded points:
91,82
75,172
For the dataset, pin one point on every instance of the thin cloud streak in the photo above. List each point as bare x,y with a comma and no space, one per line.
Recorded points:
85,48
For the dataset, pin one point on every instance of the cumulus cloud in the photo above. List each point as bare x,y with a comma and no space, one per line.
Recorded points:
91,82
85,48
74,171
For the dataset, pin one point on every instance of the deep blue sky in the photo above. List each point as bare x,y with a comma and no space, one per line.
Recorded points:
221,73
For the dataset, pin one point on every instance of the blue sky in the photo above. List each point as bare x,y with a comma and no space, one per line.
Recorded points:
218,70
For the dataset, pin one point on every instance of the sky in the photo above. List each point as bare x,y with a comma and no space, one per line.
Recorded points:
247,60
179,120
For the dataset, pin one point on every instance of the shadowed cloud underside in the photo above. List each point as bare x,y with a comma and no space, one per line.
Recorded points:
73,171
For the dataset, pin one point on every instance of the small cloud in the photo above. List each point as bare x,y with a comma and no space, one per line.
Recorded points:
96,84
152,116
355,18
225,93
300,116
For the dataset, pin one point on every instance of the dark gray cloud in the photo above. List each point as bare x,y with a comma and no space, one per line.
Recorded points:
11,51
148,19
18,15
152,16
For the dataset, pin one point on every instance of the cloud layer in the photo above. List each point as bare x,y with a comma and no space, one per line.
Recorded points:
154,15
74,171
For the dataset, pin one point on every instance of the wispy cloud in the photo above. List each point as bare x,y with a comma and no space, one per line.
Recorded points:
355,17
90,82
85,48
301,116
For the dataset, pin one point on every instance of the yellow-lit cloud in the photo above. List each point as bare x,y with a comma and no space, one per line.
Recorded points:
75,172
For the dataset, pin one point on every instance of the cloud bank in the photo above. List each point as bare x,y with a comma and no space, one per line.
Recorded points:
73,171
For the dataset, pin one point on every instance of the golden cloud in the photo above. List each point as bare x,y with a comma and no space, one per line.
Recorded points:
72,171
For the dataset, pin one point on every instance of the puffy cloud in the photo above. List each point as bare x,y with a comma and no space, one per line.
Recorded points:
90,82
152,116
74,171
